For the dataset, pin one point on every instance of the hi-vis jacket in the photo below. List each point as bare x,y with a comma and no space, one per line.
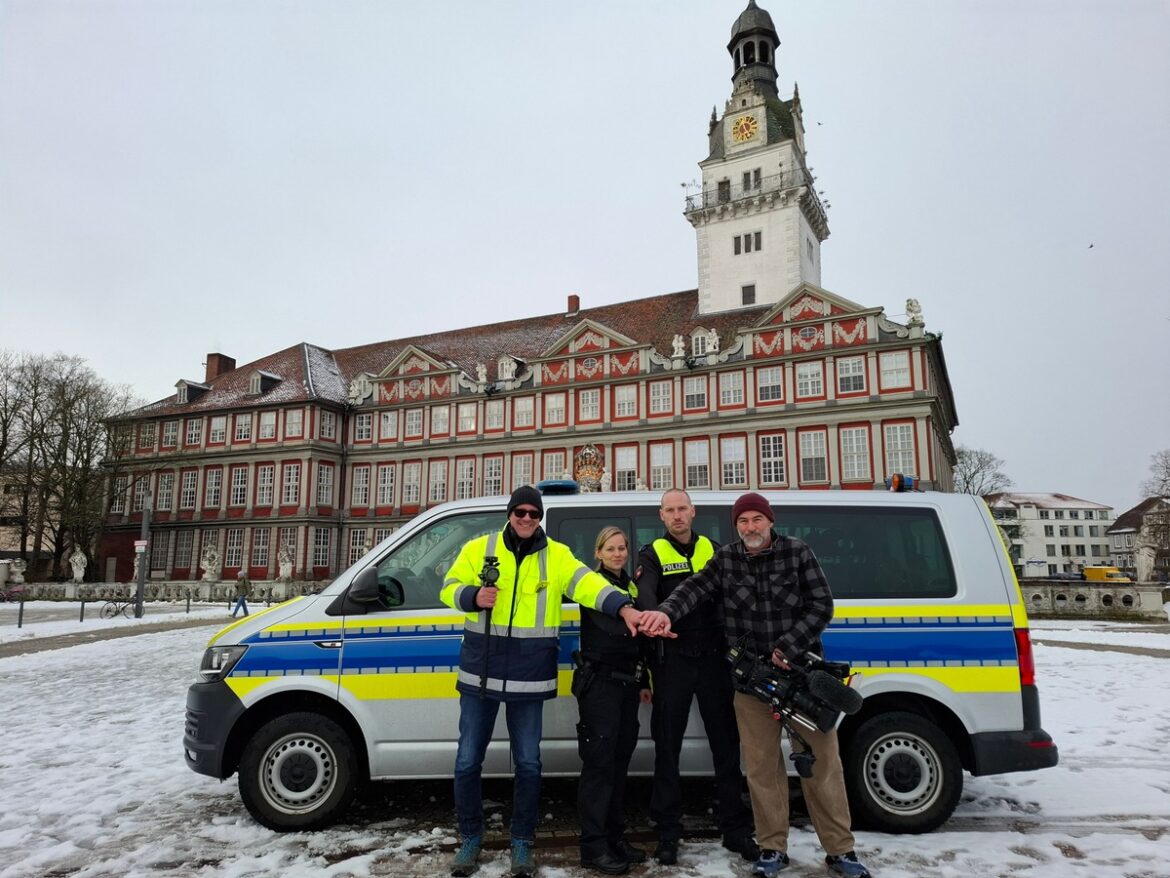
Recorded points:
519,656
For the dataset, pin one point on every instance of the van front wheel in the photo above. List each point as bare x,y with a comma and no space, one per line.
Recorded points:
297,772
902,774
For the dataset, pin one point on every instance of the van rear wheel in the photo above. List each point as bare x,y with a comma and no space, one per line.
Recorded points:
298,772
902,774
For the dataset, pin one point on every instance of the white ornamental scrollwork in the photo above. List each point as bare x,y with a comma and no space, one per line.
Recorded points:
840,336
807,344
805,303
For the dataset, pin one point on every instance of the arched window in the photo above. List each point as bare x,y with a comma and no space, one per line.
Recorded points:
737,64
763,53
749,53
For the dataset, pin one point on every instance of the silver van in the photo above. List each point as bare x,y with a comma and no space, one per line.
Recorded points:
306,699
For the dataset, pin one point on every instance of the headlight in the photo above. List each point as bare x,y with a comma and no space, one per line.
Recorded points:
218,660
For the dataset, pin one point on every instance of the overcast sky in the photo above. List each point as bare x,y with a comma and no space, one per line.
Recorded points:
178,178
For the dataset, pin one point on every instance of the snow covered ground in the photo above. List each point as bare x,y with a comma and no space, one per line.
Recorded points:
93,783
50,618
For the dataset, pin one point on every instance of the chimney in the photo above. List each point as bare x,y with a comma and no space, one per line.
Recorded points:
218,364
574,304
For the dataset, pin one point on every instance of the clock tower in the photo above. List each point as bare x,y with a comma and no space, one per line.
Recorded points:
758,221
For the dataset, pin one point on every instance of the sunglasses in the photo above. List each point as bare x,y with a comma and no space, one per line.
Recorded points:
534,514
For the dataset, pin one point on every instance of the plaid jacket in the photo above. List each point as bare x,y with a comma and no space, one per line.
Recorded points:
778,597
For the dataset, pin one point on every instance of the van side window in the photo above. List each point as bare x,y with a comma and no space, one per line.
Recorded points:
875,553
420,564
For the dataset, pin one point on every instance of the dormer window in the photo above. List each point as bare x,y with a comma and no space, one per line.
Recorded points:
261,382
189,391
699,344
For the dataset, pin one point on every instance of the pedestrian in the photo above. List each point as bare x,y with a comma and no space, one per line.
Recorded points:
691,667
243,592
609,682
511,584
775,595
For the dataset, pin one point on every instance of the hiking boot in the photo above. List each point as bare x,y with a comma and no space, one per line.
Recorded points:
607,862
667,852
466,859
628,852
523,863
770,863
846,865
742,844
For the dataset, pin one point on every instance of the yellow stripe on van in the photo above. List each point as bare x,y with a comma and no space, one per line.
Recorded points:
375,687
249,618
1004,679
243,686
917,611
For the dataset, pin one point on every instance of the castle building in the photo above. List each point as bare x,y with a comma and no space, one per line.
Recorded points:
757,379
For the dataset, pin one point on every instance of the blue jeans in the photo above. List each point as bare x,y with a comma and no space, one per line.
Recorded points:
241,604
477,718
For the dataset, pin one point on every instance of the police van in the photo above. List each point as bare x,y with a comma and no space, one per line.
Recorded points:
310,698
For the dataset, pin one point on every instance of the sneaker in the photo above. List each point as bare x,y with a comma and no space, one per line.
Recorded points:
523,863
770,863
667,852
466,859
628,852
742,844
847,865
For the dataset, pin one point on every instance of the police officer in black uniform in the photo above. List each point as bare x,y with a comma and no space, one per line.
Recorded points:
692,666
610,680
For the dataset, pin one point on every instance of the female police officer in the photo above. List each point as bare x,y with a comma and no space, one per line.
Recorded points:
609,682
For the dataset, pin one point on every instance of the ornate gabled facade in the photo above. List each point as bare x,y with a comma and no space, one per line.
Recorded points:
321,454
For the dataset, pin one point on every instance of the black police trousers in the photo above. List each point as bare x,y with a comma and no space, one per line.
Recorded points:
678,679
606,737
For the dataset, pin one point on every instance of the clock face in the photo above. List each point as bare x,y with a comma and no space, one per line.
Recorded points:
744,128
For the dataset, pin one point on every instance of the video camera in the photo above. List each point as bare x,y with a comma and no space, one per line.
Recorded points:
811,695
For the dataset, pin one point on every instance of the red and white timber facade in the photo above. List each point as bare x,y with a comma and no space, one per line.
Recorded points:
757,379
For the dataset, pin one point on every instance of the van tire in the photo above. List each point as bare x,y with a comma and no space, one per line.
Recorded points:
298,772
902,774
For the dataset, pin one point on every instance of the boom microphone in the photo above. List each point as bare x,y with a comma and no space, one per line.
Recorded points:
833,692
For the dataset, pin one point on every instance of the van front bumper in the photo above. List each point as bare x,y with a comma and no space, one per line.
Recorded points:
212,712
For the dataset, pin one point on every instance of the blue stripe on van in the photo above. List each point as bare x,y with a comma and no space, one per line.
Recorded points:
286,658
919,644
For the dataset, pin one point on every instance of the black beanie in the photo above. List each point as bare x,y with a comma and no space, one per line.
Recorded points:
526,494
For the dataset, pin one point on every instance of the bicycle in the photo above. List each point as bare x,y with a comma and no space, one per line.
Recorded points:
11,593
118,605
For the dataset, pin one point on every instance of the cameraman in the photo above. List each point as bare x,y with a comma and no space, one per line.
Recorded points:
774,592
511,584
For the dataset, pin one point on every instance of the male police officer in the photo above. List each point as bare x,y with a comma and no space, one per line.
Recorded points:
509,655
692,666
775,594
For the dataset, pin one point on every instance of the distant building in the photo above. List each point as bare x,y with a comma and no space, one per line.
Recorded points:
759,378
1052,534
1140,539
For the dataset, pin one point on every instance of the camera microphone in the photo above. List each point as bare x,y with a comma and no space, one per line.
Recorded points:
833,692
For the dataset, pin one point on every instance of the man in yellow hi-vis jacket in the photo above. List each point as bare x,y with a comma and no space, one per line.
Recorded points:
511,585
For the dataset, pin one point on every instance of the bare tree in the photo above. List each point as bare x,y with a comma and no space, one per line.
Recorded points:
979,472
1158,484
55,443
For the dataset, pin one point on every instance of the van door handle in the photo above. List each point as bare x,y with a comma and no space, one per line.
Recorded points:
328,644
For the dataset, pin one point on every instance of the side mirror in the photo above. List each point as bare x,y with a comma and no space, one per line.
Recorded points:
366,589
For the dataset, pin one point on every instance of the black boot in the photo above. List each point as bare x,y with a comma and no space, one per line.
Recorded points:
606,862
667,852
627,851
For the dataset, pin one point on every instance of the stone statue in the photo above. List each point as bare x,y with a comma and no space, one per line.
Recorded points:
712,341
567,476
77,561
914,312
18,566
678,346
588,468
209,561
481,373
639,485
284,562
507,368
606,480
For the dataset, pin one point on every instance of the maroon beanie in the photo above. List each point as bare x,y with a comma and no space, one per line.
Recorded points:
751,502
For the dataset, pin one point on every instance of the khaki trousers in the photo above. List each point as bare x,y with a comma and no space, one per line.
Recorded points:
763,762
